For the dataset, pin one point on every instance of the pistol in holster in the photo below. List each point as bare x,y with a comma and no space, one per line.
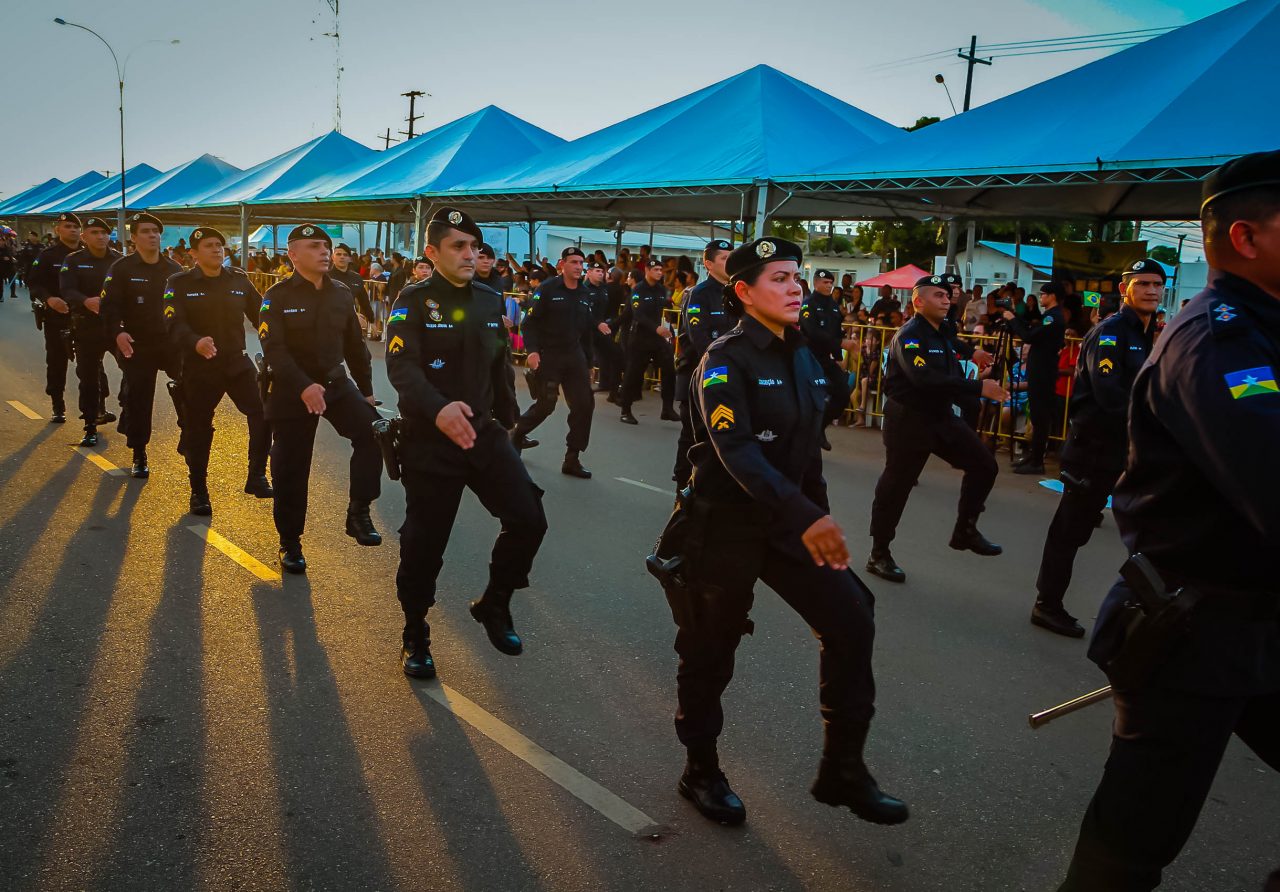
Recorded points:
264,376
1154,621
38,309
388,433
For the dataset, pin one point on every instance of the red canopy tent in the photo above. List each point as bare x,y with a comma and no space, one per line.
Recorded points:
903,277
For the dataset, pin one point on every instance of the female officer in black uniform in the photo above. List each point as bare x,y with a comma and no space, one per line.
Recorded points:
757,509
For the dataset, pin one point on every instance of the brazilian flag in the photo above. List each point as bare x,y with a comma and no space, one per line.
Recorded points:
1252,382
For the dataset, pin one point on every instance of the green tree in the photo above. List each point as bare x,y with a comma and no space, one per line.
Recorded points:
917,241
1164,253
921,123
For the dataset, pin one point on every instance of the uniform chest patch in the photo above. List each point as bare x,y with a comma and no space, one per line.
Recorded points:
437,364
1252,382
435,315
766,436
769,382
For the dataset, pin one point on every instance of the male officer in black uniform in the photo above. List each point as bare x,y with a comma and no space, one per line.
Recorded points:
133,314
1200,500
921,386
604,313
702,320
555,328
344,272
80,280
485,274
447,358
823,324
205,308
1098,438
54,312
649,341
308,326
1045,336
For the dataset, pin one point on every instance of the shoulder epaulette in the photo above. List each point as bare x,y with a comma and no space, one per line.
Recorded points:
724,339
1225,320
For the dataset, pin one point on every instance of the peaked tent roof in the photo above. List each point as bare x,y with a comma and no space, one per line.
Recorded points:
284,174
31,193
196,175
71,187
1130,135
902,277
94,192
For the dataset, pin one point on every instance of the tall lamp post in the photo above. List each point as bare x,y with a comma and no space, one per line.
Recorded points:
120,73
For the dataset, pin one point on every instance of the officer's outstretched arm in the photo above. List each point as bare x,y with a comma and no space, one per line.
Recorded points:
418,398
722,401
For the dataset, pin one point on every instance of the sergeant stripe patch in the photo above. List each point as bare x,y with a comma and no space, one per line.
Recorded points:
722,418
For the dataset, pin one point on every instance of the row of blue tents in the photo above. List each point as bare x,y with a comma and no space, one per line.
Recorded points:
1128,136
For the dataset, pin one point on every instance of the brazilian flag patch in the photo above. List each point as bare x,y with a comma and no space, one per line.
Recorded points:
719,375
1252,382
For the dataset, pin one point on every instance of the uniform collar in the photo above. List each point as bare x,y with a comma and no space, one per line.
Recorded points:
1131,318
762,338
1245,292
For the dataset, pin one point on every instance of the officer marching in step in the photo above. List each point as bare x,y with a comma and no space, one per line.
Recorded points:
308,327
649,341
447,358
823,324
485,275
205,308
80,283
1098,437
53,314
1045,337
921,386
348,275
608,353
702,320
133,314
556,330
757,509
1191,642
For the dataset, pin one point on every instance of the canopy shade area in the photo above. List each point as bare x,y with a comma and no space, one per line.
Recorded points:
25,203
902,277
1129,136
32,194
175,184
108,187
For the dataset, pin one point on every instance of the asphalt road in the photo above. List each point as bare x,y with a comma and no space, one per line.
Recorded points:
169,720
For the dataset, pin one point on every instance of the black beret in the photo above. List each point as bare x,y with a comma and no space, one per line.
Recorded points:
459,220
426,260
1146,265
595,264
1054,288
824,274
204,232
747,257
487,250
308,231
537,273
68,217
572,251
716,244
344,246
99,223
1245,172
950,279
652,262
930,282
144,217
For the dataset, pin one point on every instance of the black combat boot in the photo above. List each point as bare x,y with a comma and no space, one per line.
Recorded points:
59,415
843,779
104,417
882,564
291,558
493,611
415,651
90,437
256,483
1055,618
522,442
704,784
200,498
140,469
965,537
573,466
627,417
669,414
360,524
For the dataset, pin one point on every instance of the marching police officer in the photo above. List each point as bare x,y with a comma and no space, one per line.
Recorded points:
133,314
649,341
1045,337
604,313
702,320
556,327
205,308
485,274
757,509
1200,500
308,326
348,275
447,358
823,324
921,385
1098,438
53,313
80,282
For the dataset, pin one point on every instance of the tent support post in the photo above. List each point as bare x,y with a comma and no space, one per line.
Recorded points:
419,228
742,221
275,240
360,238
970,236
953,239
1017,251
617,242
244,236
533,242
762,210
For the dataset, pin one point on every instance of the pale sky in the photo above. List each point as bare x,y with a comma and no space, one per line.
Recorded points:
569,66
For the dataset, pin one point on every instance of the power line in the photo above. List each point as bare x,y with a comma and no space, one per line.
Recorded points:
1070,49
1139,34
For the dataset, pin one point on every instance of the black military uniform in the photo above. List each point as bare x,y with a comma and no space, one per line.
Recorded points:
351,278
757,487
970,406
133,303
702,320
1095,451
198,306
607,350
43,283
80,278
1045,336
921,386
643,315
823,324
306,334
1200,499
556,326
446,343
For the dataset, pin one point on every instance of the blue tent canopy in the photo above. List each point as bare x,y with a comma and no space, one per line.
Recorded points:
86,180
96,191
193,177
1134,132
31,194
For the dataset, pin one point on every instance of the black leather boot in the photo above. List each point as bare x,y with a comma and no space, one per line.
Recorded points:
704,784
522,442
415,651
573,466
59,415
291,558
493,611
1055,618
627,417
669,414
140,469
90,437
843,779
256,483
882,564
360,524
965,537
200,499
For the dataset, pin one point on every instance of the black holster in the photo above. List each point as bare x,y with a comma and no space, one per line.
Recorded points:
264,376
1149,625
388,434
38,310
